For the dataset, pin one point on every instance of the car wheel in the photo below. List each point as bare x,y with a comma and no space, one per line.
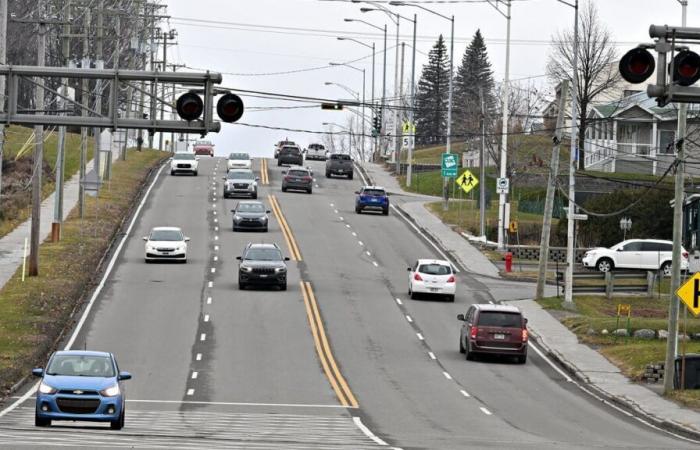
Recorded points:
605,265
411,294
255,196
350,177
195,173
461,345
39,422
358,210
469,356
147,261
279,163
265,229
184,261
666,269
522,359
241,286
385,211
283,287
172,172
119,423
328,174
309,190
451,298
284,189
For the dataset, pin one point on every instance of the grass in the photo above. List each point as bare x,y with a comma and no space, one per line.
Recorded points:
16,205
34,313
630,354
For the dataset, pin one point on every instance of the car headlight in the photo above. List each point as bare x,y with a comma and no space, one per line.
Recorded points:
110,391
236,217
251,187
149,248
246,269
280,269
46,389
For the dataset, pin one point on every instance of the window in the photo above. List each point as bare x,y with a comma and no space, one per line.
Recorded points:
500,319
251,207
632,247
263,254
373,192
166,235
298,173
240,175
341,157
81,366
666,142
435,269
184,156
238,156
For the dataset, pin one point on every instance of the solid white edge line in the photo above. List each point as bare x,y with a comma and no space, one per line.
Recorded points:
420,336
95,293
432,355
195,402
398,300
368,432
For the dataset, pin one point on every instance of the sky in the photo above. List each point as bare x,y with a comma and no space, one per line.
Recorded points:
251,42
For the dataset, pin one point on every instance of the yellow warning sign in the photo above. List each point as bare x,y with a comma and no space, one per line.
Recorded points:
467,181
689,294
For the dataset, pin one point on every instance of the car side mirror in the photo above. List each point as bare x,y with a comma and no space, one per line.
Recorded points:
196,158
267,212
38,372
286,258
124,376
238,258
460,317
357,192
187,239
223,178
619,249
525,321
145,238
257,178
409,269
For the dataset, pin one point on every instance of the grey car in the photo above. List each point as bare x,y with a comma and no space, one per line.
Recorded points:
241,183
299,178
250,215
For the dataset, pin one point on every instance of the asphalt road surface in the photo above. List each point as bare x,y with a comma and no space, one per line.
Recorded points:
341,360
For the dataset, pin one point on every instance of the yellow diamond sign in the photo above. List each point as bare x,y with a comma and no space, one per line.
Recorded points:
467,181
689,294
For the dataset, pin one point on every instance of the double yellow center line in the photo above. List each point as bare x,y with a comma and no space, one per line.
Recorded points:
295,254
330,368
264,178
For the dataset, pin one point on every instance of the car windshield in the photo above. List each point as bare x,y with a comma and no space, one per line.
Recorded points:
373,192
240,175
166,235
183,156
238,156
499,319
250,207
342,158
263,254
434,269
290,150
81,366
298,173
316,147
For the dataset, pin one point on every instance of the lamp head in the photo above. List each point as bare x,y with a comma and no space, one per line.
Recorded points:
364,10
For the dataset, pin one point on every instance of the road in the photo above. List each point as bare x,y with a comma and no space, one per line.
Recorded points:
342,359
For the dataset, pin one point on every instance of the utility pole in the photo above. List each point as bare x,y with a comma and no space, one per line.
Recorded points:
504,137
482,168
383,105
163,68
60,153
394,139
673,306
412,133
3,61
397,123
85,102
448,142
549,199
99,64
38,151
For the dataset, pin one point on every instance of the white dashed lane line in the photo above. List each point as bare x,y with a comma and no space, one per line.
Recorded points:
354,234
368,253
195,375
216,258
211,284
447,375
206,317
203,337
198,357
464,393
216,248
190,391
360,243
213,270
375,263
420,336
216,238
485,411
409,318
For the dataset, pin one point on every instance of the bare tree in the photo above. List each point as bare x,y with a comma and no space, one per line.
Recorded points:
597,71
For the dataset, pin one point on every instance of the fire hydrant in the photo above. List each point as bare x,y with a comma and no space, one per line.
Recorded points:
509,261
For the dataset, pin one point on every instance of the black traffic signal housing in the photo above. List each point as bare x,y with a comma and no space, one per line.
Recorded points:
230,107
637,65
189,106
332,106
685,68
377,124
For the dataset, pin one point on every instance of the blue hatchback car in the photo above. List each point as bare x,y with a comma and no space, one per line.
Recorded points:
81,385
372,197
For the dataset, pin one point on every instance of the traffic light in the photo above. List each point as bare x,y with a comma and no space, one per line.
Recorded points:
332,106
637,65
377,124
685,68
229,107
189,106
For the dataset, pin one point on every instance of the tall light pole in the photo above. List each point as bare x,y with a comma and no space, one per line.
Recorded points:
448,140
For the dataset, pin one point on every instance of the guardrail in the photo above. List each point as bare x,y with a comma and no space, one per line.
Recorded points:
647,280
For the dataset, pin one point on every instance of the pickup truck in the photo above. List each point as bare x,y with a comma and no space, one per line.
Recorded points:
316,151
339,164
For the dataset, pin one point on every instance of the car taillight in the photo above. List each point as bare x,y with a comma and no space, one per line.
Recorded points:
287,177
417,277
524,336
473,332
685,255
306,178
451,279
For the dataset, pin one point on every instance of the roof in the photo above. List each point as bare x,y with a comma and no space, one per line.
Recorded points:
262,245
643,101
82,353
373,187
434,261
167,228
497,308
247,202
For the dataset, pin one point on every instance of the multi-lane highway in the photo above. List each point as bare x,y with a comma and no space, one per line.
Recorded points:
342,359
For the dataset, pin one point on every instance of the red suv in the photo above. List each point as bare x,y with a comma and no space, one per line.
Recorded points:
494,329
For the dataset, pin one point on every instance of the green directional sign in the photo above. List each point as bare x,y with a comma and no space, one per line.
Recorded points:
449,165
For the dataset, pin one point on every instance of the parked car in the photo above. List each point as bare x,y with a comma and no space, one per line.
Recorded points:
339,164
648,254
280,144
262,265
241,183
316,151
290,154
250,215
184,163
372,198
203,148
238,161
166,243
81,385
493,329
432,276
298,178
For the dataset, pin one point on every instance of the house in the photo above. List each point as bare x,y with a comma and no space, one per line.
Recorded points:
635,135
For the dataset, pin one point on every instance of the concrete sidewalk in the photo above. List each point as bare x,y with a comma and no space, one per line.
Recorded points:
583,363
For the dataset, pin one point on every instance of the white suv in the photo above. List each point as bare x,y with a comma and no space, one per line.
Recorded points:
238,161
184,162
649,254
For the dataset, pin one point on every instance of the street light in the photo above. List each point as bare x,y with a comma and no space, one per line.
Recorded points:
362,144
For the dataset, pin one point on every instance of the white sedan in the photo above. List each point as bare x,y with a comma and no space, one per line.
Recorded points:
166,243
432,276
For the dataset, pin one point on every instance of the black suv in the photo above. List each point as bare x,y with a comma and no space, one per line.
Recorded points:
290,154
262,265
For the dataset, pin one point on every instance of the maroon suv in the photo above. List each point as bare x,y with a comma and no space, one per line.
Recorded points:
494,329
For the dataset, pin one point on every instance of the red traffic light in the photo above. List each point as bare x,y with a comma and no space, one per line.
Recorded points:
637,65
189,106
685,69
230,107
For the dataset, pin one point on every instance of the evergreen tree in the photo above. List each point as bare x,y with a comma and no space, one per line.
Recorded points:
473,74
431,96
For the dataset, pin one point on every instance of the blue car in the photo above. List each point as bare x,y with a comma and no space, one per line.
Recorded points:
81,385
373,198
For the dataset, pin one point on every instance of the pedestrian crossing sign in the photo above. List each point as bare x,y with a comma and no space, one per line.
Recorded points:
467,181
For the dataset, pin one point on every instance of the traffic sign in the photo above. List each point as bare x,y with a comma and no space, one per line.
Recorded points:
577,216
689,294
449,165
467,181
408,127
502,185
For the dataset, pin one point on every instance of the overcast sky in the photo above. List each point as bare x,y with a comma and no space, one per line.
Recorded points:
243,46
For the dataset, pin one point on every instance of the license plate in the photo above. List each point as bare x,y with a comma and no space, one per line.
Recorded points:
499,336
263,276
374,200
434,289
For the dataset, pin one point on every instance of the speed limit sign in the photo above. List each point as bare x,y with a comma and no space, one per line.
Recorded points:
502,185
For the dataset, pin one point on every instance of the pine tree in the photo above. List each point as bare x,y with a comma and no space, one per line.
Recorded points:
474,73
431,96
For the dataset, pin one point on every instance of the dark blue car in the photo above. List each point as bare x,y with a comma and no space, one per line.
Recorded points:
372,198
81,385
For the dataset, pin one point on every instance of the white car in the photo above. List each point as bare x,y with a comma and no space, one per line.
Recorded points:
316,151
184,162
238,161
649,254
432,276
166,243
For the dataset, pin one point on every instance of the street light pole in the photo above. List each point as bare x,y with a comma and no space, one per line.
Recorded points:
356,95
504,138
